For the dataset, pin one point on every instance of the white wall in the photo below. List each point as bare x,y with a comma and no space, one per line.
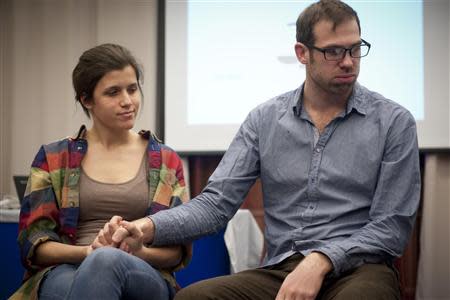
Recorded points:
40,43
4,107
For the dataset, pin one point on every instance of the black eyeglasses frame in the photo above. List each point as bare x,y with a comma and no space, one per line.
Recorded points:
324,50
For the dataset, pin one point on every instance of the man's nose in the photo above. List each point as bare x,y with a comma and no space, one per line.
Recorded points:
347,60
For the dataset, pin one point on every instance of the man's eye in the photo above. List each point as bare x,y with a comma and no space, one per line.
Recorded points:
356,50
334,51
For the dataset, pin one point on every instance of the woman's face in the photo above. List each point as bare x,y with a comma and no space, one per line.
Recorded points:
116,100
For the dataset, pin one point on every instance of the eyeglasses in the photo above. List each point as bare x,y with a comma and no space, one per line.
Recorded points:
338,53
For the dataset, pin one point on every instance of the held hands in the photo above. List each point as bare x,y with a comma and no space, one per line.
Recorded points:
133,241
144,225
305,281
104,237
128,237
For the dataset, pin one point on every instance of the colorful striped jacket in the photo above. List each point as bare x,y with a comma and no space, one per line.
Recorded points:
50,207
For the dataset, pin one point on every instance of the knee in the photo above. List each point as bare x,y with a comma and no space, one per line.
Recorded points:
106,257
368,290
194,292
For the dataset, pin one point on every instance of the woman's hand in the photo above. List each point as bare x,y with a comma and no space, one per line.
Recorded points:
104,236
88,250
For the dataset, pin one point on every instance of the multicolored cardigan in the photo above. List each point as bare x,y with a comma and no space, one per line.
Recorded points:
50,207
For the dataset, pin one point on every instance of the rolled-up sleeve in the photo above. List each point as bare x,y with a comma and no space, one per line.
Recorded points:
224,193
39,214
178,197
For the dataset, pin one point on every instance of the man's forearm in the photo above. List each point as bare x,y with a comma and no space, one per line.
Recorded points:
148,229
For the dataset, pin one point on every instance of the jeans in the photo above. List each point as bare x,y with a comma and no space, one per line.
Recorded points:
107,273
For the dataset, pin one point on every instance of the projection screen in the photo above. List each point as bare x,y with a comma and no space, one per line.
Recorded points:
223,58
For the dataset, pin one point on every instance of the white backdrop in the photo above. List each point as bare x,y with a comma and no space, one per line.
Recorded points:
40,44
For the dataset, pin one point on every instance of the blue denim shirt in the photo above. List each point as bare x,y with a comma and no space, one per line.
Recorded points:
351,192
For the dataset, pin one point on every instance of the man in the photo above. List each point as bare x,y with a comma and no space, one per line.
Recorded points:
340,177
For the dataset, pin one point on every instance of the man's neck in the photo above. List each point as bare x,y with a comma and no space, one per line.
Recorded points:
323,107
322,101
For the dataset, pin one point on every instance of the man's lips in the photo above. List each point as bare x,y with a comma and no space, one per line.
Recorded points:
345,78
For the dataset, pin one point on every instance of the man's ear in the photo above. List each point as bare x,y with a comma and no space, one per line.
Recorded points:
302,53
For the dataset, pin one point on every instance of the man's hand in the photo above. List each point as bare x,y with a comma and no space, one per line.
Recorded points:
305,281
104,237
145,225
133,242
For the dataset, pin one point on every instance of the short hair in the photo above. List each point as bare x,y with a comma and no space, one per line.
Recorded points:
331,10
94,63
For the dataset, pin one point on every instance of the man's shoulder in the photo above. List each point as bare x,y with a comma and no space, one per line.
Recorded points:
378,104
280,103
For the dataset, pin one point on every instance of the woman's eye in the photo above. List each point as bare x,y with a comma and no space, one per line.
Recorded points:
132,89
112,92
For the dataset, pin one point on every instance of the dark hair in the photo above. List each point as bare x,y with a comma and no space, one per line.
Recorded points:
331,10
95,63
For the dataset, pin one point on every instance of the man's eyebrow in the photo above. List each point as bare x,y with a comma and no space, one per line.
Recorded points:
341,46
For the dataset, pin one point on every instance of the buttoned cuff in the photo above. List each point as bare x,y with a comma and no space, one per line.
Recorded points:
337,257
35,240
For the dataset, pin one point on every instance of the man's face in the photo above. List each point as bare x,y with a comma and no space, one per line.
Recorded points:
333,77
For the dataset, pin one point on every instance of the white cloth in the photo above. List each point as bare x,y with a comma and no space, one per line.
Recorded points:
9,209
244,241
434,264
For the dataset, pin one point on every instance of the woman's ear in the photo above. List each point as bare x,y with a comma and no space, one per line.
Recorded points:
85,102
302,53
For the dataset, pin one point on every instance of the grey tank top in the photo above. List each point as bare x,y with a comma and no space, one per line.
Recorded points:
100,201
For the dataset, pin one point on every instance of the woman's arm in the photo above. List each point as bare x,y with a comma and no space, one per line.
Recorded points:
161,257
52,253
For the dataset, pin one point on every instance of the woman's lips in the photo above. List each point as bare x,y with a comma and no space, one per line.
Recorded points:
127,114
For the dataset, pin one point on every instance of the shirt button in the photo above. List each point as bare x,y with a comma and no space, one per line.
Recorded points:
71,204
318,150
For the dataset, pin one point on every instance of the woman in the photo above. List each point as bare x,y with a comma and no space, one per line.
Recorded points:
78,188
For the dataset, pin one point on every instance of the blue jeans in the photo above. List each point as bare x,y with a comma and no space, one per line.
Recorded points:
107,273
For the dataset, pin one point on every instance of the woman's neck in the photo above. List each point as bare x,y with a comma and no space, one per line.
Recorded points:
110,139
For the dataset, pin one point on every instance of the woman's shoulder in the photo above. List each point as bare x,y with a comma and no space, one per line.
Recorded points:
159,152
61,145
149,135
67,142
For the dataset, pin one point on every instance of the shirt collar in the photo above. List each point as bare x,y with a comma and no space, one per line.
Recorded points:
81,135
356,101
